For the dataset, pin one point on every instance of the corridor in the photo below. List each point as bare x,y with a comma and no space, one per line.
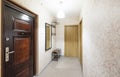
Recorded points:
31,30
65,67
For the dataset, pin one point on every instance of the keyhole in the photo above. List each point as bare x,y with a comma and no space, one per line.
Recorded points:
7,39
23,33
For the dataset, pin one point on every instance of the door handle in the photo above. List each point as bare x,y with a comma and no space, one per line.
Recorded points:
11,52
7,54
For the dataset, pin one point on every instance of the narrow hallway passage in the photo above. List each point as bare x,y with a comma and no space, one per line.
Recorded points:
31,30
65,67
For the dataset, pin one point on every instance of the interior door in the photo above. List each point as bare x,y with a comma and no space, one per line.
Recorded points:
71,41
18,41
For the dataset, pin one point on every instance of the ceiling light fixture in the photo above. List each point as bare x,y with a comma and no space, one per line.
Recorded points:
60,13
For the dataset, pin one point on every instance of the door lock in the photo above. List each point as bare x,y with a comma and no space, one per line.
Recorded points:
7,53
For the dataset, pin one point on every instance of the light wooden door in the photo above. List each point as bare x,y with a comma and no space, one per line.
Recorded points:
71,41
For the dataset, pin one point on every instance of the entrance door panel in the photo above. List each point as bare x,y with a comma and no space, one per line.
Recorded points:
22,56
18,38
21,46
21,25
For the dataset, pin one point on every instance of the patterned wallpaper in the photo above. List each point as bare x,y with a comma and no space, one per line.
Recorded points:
101,38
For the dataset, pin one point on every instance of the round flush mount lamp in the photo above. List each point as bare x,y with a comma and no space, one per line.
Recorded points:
60,14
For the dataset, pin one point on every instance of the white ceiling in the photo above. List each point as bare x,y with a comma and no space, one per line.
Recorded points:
71,8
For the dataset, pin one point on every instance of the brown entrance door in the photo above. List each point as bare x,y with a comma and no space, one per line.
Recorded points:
18,41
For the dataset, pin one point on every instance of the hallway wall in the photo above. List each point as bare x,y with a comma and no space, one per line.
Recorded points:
101,38
43,58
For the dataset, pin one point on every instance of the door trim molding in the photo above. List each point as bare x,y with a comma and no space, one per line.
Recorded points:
28,12
81,43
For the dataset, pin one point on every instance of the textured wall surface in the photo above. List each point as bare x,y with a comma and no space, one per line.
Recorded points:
101,38
43,58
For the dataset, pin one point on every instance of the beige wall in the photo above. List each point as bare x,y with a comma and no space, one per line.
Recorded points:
101,38
43,58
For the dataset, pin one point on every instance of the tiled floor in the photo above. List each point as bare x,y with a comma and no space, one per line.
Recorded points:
65,67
